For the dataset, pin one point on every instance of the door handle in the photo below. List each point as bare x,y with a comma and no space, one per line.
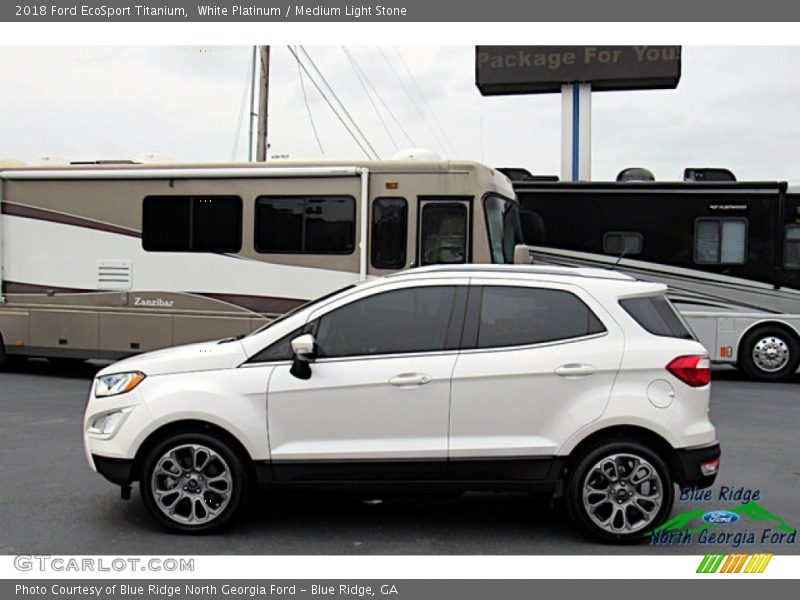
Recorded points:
410,379
575,370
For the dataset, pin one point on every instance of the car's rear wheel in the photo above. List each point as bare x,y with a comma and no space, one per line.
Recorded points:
619,491
769,354
194,482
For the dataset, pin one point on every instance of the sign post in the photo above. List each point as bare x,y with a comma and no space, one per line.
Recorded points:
575,71
576,132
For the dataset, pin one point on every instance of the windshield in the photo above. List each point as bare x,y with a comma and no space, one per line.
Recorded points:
502,223
301,307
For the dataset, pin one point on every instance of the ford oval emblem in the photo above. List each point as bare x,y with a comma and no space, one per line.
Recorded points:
720,517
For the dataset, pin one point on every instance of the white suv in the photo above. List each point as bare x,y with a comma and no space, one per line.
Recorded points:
580,383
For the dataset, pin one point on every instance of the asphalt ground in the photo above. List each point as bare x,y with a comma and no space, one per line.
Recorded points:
52,503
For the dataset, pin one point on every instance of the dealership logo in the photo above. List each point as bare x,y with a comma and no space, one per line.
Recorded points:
720,517
714,528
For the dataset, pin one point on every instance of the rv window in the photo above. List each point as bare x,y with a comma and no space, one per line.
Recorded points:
656,315
444,234
720,241
192,224
503,225
517,316
389,233
305,224
791,247
619,243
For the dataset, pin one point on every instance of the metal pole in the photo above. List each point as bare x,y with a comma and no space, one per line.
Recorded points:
263,103
576,132
252,105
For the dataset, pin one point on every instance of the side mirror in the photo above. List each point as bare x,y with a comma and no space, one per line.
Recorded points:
304,348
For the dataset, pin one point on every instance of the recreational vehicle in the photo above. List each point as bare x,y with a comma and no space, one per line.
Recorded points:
108,260
730,251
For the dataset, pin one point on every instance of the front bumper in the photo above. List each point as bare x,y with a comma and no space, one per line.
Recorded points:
688,461
116,470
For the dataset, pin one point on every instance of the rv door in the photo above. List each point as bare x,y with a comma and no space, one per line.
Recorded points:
443,231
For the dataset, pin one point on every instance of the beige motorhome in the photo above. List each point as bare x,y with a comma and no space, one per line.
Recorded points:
104,261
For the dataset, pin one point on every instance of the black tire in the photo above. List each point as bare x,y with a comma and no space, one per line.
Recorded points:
9,361
585,467
238,492
780,340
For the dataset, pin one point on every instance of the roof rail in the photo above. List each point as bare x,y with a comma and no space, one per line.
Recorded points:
586,272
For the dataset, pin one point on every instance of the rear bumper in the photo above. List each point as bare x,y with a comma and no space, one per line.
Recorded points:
688,463
114,469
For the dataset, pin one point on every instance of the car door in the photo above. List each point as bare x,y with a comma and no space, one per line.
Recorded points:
377,403
538,363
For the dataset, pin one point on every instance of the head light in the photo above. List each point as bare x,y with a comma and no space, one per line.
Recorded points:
117,383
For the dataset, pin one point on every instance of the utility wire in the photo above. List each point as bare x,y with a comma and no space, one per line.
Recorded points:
383,103
425,100
308,108
413,100
369,96
247,85
340,103
329,103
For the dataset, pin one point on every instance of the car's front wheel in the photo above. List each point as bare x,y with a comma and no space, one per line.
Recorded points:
618,491
194,482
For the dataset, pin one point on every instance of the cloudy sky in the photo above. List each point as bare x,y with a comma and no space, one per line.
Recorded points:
737,107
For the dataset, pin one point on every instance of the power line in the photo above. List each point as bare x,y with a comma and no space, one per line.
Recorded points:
413,100
384,104
425,100
341,104
329,103
369,96
308,108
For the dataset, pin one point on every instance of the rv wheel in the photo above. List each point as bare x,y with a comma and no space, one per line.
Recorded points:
8,361
769,354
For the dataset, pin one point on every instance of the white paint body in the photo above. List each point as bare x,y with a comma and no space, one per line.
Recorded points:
525,401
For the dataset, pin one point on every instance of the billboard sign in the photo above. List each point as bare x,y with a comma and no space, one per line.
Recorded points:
543,69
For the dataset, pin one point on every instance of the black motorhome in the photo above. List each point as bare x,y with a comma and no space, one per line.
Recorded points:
748,230
729,251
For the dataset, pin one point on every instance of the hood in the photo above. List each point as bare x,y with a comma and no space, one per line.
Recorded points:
205,356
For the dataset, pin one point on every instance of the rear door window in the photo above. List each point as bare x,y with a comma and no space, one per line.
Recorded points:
656,315
517,316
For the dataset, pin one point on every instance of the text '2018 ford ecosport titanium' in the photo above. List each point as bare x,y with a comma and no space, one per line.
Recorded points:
575,382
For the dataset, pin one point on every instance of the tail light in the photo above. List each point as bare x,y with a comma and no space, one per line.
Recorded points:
694,371
710,467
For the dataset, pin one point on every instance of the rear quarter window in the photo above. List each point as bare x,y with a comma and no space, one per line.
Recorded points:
656,315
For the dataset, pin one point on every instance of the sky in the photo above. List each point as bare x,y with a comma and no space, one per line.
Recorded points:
735,107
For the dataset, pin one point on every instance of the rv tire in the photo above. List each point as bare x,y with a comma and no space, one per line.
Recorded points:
769,353
8,361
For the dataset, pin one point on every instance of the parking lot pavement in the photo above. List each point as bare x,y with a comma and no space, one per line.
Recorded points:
53,504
